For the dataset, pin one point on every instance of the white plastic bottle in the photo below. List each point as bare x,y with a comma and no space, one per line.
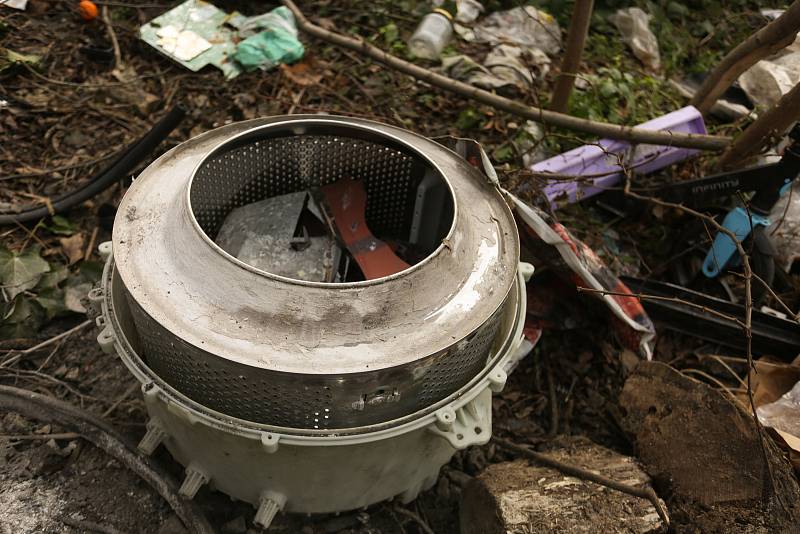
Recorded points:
432,34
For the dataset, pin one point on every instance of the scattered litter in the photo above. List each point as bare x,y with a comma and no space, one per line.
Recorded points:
15,4
604,157
87,10
15,58
196,34
634,25
552,244
706,317
772,14
529,142
786,231
277,44
527,27
784,413
432,34
722,108
769,79
502,67
184,45
468,10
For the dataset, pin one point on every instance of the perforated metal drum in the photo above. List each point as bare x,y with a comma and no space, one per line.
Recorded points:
317,356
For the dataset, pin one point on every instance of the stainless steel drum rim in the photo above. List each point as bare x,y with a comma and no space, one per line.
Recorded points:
264,348
113,335
297,124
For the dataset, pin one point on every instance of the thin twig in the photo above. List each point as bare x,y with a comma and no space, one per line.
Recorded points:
748,303
90,526
794,315
20,353
36,437
97,431
645,492
112,35
128,392
642,296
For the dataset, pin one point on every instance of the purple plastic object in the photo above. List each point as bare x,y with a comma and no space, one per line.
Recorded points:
592,159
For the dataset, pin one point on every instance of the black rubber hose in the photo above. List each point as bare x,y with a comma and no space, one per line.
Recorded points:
118,170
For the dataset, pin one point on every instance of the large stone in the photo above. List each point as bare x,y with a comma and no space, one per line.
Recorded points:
704,451
515,497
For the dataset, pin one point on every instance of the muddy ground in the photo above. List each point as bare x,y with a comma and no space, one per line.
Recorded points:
69,113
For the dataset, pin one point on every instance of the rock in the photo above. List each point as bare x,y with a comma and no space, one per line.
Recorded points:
513,497
704,451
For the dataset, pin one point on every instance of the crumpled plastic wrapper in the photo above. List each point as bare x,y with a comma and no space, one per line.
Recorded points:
769,79
468,10
502,67
527,27
784,413
634,25
785,229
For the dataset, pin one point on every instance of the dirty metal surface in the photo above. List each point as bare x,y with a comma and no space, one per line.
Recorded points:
347,202
216,328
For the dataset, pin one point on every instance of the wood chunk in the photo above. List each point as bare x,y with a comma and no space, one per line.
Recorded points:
704,450
516,497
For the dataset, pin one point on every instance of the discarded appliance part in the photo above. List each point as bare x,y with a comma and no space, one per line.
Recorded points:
119,170
311,396
602,160
547,240
271,235
770,335
347,202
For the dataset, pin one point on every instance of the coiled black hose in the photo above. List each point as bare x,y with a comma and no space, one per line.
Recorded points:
118,170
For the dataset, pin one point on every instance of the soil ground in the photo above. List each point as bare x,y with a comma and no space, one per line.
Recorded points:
68,114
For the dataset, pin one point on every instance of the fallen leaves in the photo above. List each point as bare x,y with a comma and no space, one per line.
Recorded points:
21,271
73,247
302,74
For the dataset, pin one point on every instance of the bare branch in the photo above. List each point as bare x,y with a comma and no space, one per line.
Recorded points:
602,129
773,37
767,128
576,38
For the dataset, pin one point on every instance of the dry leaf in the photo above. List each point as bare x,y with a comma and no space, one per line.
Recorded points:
303,74
771,379
72,247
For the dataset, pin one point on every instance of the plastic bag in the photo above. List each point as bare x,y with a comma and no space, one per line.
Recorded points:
634,25
526,27
277,44
768,80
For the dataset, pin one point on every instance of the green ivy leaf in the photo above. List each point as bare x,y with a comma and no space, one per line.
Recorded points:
53,278
52,301
20,272
61,225
22,319
390,33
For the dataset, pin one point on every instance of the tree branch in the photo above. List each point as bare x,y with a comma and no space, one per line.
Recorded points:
576,38
767,127
773,37
602,129
44,408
